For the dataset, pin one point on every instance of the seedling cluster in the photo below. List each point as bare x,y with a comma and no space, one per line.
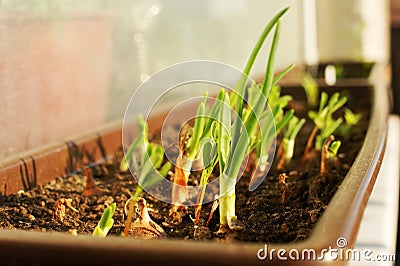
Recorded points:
241,125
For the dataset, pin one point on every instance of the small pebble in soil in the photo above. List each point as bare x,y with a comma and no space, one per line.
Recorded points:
73,232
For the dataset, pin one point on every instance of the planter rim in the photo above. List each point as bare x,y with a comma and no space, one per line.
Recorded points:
340,219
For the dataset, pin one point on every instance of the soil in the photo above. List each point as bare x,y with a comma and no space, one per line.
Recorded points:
260,213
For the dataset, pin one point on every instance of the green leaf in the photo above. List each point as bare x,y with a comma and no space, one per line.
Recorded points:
311,89
209,152
224,129
328,130
154,177
336,102
323,101
297,128
267,131
334,147
288,141
282,74
151,161
198,128
269,73
140,142
254,93
165,169
282,123
351,118
261,40
214,113
106,221
331,127
157,156
241,85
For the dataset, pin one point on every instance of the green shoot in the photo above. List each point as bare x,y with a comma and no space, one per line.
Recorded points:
350,117
193,145
288,141
189,150
204,145
351,120
233,143
215,136
280,119
106,222
334,148
277,117
140,143
227,182
275,98
324,120
311,89
329,129
210,160
236,101
282,74
151,160
329,152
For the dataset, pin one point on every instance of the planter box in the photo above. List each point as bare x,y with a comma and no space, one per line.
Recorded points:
340,219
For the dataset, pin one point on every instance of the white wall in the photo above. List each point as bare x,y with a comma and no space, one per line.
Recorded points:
353,30
219,30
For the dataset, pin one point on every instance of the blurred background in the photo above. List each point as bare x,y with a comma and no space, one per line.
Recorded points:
69,66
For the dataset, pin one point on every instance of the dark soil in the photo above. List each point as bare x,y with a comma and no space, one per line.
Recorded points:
261,214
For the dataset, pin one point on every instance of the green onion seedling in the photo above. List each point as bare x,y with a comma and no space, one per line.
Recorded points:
106,222
147,173
311,89
329,152
351,119
188,151
288,141
235,141
208,151
202,138
324,122
138,144
272,122
208,147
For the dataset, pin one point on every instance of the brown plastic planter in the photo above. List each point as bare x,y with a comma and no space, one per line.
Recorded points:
340,219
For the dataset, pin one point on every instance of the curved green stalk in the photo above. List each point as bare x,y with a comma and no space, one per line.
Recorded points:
151,159
241,141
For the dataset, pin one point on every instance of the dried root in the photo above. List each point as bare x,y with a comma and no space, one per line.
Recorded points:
307,151
325,158
144,227
282,160
60,210
91,187
213,209
282,181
